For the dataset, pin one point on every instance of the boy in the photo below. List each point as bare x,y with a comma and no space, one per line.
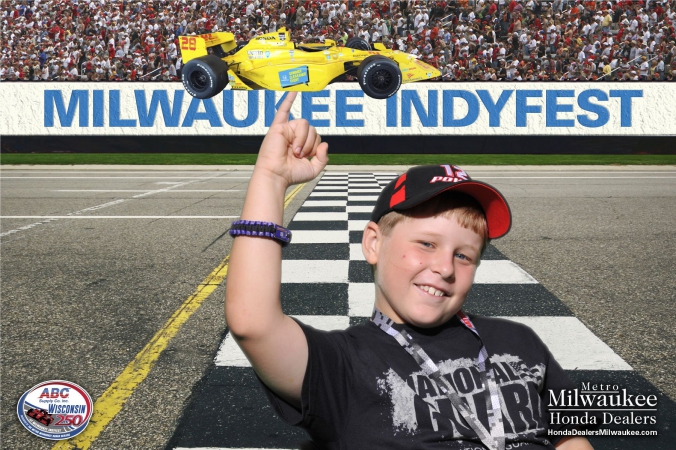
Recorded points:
421,374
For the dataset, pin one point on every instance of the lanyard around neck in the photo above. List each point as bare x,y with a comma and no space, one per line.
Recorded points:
495,439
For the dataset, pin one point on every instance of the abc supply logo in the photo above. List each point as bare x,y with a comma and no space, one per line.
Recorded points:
55,409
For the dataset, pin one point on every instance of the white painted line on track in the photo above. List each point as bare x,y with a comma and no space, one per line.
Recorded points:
623,177
573,345
105,205
502,271
573,171
229,353
320,236
119,178
356,253
364,190
361,295
328,194
320,216
322,203
118,217
118,172
315,271
356,225
325,182
26,227
360,299
101,190
359,209
146,190
362,198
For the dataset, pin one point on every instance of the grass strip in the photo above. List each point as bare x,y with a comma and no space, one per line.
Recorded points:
336,159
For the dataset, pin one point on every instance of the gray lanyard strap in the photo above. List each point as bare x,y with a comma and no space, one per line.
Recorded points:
495,439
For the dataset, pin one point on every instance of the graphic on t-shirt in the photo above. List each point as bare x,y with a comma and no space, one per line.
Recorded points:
417,404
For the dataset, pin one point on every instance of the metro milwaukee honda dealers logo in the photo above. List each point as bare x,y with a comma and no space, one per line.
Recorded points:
601,404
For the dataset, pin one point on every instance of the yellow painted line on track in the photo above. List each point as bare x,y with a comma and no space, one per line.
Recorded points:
113,399
292,194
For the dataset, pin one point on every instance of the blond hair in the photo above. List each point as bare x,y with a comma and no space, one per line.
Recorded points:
464,208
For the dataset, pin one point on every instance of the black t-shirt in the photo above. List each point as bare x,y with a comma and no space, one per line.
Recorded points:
362,390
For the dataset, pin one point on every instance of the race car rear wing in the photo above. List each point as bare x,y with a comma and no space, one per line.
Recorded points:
195,46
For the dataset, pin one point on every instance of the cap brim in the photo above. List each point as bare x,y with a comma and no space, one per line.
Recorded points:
496,209
498,214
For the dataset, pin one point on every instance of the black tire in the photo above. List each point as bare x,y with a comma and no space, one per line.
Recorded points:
358,44
379,77
205,77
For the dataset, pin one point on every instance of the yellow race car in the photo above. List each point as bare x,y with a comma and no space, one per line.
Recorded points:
271,61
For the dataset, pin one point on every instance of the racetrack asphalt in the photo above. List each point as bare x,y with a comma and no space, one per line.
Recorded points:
82,296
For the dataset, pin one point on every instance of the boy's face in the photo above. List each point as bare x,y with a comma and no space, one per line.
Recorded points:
425,268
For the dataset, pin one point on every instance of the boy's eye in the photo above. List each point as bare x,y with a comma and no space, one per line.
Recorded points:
462,257
426,244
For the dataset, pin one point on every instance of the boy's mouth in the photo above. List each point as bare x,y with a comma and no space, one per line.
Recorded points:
432,291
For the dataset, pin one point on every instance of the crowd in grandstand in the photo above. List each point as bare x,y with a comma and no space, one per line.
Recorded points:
466,39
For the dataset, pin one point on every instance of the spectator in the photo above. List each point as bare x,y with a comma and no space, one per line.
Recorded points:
138,40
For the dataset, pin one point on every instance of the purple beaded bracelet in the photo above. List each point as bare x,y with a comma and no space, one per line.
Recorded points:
260,229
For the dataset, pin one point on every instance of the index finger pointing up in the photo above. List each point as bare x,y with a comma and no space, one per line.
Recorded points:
282,115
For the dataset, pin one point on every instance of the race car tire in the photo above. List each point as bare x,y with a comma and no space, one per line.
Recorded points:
379,77
205,77
358,43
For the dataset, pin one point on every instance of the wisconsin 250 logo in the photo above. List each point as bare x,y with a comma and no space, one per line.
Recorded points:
55,409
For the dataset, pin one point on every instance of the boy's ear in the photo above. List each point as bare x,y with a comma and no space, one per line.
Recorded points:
370,242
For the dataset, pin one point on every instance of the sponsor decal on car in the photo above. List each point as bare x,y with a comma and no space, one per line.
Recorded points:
255,54
267,53
292,77
421,64
291,53
282,36
55,409
209,37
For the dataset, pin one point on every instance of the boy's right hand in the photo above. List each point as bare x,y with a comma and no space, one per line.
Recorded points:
288,146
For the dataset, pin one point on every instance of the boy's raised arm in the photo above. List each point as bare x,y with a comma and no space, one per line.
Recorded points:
272,341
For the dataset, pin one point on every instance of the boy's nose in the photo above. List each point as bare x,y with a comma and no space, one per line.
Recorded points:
443,265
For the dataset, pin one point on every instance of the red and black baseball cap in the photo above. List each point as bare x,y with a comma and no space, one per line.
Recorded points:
421,183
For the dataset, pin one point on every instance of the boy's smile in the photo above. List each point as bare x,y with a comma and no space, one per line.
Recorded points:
425,268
